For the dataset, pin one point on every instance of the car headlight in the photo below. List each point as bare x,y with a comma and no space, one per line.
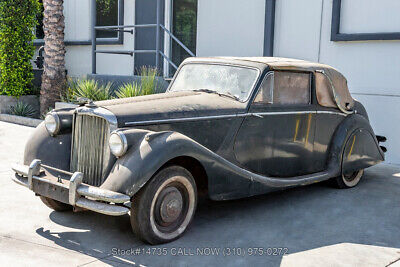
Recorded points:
118,144
52,123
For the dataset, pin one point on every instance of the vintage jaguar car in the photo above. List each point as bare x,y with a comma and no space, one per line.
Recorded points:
226,128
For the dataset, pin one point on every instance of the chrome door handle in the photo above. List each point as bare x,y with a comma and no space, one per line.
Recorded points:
257,115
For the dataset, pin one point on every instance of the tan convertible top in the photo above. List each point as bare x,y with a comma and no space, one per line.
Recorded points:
331,85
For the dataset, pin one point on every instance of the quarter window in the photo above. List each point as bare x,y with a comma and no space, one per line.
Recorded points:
265,93
291,88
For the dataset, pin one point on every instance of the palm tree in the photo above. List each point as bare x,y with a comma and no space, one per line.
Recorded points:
54,76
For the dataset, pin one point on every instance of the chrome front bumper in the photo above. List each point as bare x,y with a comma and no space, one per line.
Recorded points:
71,191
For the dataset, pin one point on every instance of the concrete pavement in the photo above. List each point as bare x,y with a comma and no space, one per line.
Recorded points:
316,225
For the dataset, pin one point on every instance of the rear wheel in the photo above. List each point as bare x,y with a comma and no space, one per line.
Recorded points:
348,180
163,209
55,205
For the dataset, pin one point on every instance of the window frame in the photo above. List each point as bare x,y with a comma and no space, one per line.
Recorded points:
251,91
266,76
337,36
310,84
99,41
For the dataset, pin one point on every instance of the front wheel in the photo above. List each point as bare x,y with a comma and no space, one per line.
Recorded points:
348,180
162,210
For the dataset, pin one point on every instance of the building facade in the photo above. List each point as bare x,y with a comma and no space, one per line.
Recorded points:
361,38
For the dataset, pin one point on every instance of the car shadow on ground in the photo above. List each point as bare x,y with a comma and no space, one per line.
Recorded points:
297,219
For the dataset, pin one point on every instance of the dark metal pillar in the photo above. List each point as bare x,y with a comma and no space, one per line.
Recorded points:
93,22
158,35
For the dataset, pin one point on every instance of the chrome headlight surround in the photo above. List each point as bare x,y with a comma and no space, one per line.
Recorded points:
118,143
52,123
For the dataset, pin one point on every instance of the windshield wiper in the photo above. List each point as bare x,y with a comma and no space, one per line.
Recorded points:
218,93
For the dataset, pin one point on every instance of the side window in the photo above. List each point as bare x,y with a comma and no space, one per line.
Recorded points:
291,88
265,92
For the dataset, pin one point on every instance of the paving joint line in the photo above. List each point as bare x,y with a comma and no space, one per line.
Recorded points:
43,245
393,262
97,259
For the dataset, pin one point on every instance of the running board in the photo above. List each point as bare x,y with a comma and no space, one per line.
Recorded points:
293,181
278,182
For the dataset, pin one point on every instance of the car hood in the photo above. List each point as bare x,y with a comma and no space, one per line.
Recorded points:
171,105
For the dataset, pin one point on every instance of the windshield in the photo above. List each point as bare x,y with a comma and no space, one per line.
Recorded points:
222,79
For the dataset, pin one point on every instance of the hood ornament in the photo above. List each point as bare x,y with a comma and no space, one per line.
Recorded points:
83,101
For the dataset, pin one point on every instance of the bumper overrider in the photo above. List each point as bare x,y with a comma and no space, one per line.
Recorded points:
72,191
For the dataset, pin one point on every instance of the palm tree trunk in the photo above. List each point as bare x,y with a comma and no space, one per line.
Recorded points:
54,76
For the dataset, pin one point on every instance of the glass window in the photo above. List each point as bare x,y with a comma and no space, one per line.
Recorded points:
231,80
184,27
107,15
264,95
291,87
39,27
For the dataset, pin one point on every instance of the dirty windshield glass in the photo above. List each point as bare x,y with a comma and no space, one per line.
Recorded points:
225,80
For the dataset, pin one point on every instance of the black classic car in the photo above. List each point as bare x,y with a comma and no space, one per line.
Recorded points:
226,128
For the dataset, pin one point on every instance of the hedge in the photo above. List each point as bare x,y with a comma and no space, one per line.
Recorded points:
17,26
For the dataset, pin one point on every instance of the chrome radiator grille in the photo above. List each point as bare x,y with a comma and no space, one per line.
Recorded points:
90,152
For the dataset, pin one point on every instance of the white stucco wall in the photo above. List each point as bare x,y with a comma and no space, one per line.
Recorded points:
371,67
77,28
230,27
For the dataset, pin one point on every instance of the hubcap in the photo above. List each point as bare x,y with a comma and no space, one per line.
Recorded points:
172,207
350,177
171,204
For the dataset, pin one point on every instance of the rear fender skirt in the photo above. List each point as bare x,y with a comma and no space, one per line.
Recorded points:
354,146
361,151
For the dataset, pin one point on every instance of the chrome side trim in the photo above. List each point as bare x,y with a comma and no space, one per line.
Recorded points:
240,115
332,112
137,123
285,112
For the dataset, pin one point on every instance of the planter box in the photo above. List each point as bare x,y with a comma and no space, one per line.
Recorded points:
118,80
6,102
20,120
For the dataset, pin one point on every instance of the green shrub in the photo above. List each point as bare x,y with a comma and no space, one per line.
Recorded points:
147,85
87,88
129,90
148,80
23,109
17,25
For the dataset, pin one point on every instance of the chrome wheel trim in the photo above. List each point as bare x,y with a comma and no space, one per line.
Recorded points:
354,179
190,210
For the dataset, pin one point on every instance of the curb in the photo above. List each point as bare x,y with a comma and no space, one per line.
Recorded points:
20,120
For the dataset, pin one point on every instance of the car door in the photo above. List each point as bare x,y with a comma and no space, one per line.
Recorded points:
276,138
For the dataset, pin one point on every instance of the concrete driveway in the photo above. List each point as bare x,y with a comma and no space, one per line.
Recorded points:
316,225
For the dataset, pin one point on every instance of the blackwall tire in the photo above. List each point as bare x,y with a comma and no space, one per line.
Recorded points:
164,208
55,205
348,181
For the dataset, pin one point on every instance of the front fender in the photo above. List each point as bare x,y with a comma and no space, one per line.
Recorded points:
53,151
152,150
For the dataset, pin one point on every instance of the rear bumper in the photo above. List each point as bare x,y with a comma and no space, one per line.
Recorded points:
71,191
